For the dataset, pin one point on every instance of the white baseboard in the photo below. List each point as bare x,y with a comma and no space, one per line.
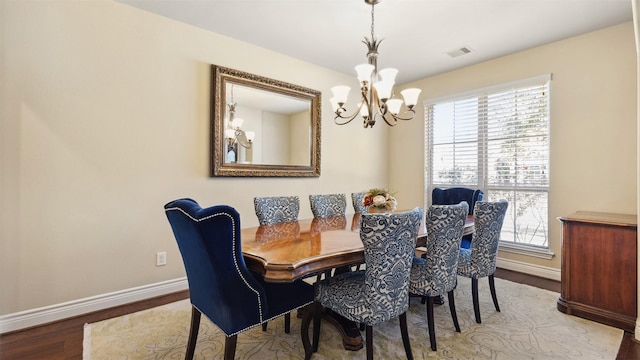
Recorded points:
43,315
536,270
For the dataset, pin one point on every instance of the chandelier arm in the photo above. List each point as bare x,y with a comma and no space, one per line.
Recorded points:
383,111
246,146
387,120
380,106
349,118
412,111
370,118
241,138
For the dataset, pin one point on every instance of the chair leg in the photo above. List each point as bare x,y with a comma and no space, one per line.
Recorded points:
405,336
230,347
431,324
304,331
476,303
193,333
312,311
452,308
287,322
317,316
492,287
369,341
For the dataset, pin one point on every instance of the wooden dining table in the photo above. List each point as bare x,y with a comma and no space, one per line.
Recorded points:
299,249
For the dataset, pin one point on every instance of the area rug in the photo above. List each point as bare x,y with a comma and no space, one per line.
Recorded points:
528,327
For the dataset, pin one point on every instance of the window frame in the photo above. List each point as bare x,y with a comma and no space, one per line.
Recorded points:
482,181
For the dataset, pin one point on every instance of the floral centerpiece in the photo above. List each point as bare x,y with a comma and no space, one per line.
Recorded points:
377,200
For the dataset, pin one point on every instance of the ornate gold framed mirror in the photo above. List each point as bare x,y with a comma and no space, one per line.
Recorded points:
262,126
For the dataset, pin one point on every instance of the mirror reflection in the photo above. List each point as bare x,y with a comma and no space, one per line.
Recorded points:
263,127
266,128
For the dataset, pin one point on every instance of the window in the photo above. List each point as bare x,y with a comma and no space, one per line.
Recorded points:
497,140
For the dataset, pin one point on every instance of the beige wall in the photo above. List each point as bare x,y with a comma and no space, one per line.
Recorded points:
273,150
593,124
104,119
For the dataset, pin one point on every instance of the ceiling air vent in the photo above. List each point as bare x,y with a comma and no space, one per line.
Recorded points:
459,52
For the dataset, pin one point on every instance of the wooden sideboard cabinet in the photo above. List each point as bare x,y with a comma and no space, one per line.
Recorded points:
599,268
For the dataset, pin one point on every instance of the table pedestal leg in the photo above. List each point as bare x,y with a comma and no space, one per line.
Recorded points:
351,337
350,331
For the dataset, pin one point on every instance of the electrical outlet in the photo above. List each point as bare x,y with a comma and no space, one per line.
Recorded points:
161,258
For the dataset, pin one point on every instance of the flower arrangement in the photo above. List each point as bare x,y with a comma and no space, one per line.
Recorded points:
379,199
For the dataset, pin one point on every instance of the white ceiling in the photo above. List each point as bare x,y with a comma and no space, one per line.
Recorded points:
417,34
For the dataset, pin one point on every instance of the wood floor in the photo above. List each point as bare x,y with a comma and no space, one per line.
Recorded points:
63,339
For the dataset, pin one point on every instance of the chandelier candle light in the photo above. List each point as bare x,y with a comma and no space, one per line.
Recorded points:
376,88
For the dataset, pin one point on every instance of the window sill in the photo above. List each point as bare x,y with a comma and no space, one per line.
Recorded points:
526,250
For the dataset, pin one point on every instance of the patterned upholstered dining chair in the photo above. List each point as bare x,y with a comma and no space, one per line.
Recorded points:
480,260
381,291
326,205
276,209
220,285
272,210
356,201
435,274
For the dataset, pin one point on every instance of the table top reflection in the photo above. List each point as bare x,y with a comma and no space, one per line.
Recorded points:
288,251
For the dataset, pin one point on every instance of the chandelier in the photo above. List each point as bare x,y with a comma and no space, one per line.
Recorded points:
376,89
233,131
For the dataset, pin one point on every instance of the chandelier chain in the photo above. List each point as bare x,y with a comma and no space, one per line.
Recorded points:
372,22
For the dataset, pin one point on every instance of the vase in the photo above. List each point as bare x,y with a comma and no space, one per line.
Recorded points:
373,210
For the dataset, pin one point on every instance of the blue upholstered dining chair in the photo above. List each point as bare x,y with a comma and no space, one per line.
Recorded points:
451,196
455,195
480,260
326,205
435,275
220,285
276,209
381,291
356,200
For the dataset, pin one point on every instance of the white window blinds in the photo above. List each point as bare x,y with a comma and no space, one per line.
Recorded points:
495,139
